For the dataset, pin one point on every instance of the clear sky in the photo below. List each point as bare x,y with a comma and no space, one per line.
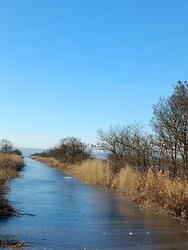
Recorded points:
71,67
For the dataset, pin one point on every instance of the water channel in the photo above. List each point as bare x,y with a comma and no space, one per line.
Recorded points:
61,212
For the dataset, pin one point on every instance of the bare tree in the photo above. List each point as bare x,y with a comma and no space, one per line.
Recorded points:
6,146
126,145
170,124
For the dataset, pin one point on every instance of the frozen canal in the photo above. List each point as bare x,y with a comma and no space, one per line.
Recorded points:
61,212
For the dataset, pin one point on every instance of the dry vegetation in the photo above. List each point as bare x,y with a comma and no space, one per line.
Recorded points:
9,166
11,244
153,189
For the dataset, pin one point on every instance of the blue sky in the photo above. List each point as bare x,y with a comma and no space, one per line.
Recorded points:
71,67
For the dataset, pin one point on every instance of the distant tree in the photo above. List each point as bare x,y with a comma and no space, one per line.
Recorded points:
70,150
6,146
16,152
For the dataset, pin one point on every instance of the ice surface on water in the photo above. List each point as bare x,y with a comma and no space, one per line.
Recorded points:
70,214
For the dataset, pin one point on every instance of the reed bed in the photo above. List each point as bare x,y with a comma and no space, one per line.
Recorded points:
50,162
9,167
153,189
93,171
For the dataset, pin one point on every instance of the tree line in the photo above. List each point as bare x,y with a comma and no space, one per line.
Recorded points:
165,149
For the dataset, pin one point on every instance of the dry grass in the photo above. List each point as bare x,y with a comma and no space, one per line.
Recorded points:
170,195
9,166
11,161
130,182
93,171
50,162
153,190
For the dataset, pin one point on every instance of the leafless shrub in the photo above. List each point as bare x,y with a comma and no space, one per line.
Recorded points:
126,146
